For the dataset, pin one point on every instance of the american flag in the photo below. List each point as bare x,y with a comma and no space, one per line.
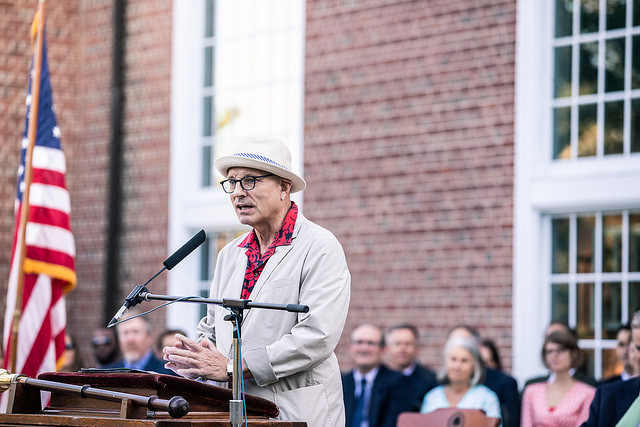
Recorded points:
49,271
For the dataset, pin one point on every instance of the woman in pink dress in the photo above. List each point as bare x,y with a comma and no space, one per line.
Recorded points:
561,401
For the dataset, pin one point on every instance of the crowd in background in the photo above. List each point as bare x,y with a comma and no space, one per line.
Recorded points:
387,379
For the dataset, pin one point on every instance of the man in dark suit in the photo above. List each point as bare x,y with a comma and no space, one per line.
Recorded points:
623,339
402,351
136,344
612,400
373,394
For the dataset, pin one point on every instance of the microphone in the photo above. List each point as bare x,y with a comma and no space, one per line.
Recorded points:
134,297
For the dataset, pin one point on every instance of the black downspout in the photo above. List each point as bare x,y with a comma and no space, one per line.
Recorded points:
114,207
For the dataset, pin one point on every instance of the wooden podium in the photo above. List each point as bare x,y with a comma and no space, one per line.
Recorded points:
208,404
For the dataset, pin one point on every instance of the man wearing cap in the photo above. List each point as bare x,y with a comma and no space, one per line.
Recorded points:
287,357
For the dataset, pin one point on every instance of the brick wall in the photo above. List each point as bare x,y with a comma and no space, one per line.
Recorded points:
409,160
79,34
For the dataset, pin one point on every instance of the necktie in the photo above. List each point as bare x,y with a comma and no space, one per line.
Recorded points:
632,416
358,414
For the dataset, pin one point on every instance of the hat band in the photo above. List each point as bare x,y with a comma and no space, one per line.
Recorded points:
261,158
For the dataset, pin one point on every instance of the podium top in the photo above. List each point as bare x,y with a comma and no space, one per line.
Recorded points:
202,397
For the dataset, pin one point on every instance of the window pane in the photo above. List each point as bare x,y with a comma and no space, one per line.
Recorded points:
614,65
635,125
209,18
613,127
207,115
634,242
588,68
586,309
564,14
616,14
612,243
206,166
589,16
560,245
610,363
560,302
611,309
635,63
636,13
586,242
204,259
562,72
588,364
587,130
562,133
208,66
634,298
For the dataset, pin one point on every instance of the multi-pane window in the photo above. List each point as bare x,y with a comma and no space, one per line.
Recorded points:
595,279
208,257
596,86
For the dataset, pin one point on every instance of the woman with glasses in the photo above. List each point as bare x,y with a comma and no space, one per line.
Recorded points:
562,400
285,259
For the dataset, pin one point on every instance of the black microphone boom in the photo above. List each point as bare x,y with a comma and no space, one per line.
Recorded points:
185,250
134,297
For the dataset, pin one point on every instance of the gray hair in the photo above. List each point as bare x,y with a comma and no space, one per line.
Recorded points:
635,322
472,347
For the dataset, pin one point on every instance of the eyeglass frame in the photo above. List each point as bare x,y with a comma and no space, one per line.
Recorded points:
233,182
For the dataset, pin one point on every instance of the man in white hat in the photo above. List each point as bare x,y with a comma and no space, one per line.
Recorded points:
287,358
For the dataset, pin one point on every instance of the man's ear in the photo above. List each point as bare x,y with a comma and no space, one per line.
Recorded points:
285,184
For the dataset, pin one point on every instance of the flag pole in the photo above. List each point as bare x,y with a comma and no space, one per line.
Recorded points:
28,172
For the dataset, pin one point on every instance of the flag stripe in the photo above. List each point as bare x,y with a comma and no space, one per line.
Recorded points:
49,158
48,177
48,216
50,237
49,196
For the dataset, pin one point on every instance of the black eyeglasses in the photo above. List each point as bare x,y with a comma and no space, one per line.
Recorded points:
98,341
246,182
69,346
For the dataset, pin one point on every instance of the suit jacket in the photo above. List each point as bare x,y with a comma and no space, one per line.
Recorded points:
611,402
390,396
290,355
422,380
506,388
154,364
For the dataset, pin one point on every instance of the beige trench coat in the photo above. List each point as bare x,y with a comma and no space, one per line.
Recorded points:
290,355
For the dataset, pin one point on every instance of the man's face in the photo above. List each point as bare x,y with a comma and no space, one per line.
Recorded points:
366,348
634,352
401,348
622,350
104,345
258,206
135,339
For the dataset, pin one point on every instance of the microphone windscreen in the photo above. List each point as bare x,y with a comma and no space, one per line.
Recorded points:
185,250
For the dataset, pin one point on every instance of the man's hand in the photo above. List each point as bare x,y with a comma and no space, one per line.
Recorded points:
196,360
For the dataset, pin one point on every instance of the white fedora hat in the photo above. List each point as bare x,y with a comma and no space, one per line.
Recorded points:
268,154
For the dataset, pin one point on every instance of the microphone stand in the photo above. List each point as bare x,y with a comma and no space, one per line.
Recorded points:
236,307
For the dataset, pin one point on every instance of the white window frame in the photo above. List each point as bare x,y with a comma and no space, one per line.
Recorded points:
544,187
191,206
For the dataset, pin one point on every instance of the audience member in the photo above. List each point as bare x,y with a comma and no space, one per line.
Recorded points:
165,339
562,401
613,400
402,352
374,395
578,372
72,357
623,339
136,343
105,346
503,385
461,376
490,354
